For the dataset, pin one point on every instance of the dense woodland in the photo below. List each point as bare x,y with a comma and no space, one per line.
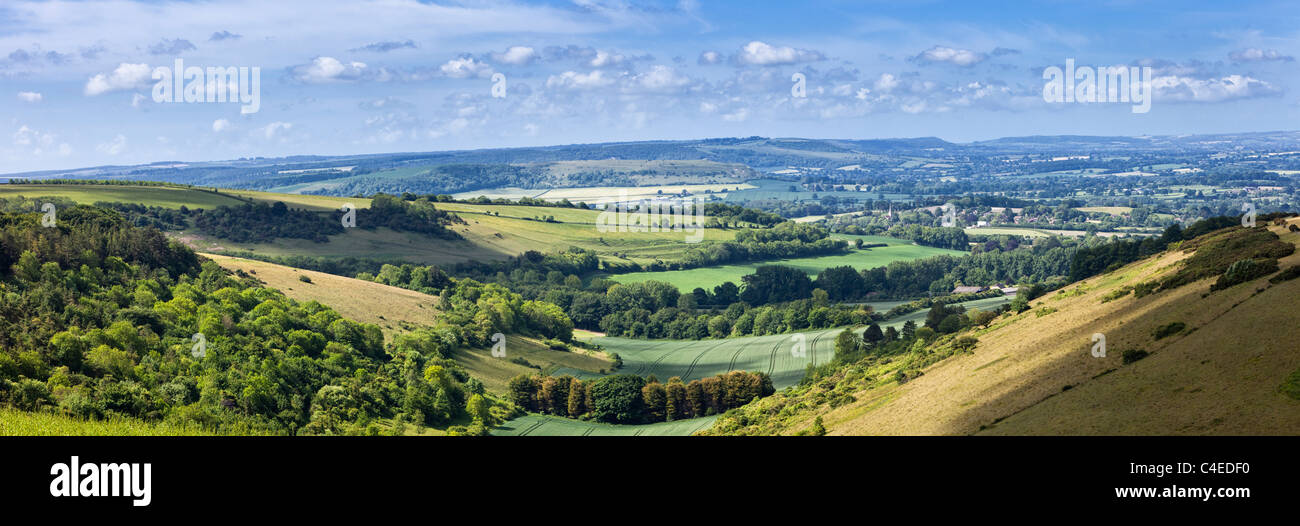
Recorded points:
100,318
631,399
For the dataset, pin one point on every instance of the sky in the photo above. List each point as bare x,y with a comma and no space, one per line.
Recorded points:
77,84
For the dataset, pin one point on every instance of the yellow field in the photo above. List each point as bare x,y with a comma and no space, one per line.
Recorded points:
1112,210
164,196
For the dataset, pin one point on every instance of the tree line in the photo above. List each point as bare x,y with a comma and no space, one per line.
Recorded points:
631,399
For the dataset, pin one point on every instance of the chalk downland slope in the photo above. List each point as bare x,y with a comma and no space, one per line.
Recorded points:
397,310
1221,373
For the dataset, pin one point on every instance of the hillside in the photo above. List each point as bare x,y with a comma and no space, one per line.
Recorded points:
1220,372
397,311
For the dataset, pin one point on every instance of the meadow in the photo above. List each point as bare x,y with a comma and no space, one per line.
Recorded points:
164,196
14,422
534,424
709,277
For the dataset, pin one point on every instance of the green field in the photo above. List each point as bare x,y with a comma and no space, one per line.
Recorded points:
695,359
166,197
775,190
709,277
535,425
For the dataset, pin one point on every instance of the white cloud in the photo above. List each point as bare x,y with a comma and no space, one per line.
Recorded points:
113,147
277,128
606,58
709,57
221,125
328,69
660,78
575,80
960,57
1259,55
465,67
29,96
516,55
125,77
886,83
1187,89
759,53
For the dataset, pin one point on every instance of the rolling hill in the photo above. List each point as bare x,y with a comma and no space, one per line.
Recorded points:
1216,363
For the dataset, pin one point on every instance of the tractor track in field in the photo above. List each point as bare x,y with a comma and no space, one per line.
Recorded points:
689,370
661,357
812,350
643,367
533,427
588,431
771,363
732,366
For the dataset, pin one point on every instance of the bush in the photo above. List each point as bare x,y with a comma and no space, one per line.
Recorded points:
304,278
1133,355
1243,271
1171,329
1289,274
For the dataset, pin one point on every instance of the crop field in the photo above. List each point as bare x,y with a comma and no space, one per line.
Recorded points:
605,194
775,190
534,424
166,197
709,277
772,354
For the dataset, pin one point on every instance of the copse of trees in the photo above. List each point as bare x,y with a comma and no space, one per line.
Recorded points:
631,399
101,318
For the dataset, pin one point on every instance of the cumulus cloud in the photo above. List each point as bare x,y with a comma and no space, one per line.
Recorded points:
465,67
660,78
708,58
516,55
224,35
38,143
579,81
328,69
384,47
1259,55
606,59
221,125
29,96
956,56
758,53
125,77
1230,87
113,147
171,47
275,129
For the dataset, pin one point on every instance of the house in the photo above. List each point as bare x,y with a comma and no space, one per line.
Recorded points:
968,290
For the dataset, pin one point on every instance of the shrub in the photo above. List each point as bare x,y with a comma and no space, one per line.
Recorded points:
1245,270
304,278
1133,355
1290,273
1171,329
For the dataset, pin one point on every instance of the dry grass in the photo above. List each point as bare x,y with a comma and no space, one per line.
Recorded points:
1219,376
364,301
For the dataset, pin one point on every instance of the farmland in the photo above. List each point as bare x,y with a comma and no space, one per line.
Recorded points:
605,194
164,196
544,425
709,277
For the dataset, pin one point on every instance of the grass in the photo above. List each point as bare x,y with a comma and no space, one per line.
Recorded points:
544,425
604,194
709,277
393,309
1226,372
14,422
166,197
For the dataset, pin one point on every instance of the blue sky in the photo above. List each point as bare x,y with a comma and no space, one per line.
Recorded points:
398,75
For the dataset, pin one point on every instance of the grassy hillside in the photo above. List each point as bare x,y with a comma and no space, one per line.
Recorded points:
1217,364
14,422
164,196
393,309
709,277
397,310
491,232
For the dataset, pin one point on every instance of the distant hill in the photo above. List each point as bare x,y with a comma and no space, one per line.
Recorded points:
639,163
